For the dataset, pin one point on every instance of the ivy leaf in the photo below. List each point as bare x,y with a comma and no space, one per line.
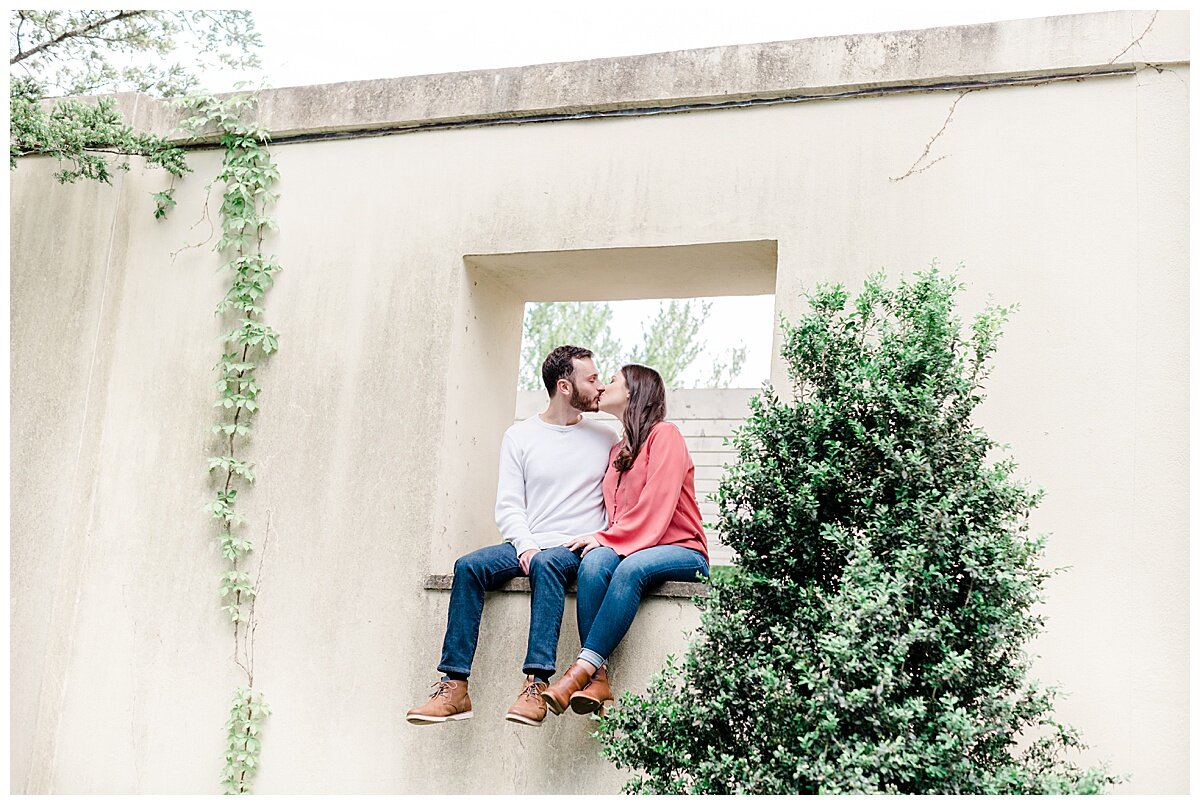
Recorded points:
163,202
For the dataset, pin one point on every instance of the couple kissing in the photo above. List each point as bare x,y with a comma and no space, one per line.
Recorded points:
575,501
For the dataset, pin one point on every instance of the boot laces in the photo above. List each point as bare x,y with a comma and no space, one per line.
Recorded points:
442,688
531,691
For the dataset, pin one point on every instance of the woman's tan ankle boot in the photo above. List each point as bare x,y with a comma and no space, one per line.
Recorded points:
558,695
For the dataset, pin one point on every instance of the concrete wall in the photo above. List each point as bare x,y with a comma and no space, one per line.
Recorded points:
382,411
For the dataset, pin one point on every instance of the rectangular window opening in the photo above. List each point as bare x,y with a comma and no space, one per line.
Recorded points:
713,353
724,291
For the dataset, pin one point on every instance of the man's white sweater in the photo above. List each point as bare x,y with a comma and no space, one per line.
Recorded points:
550,482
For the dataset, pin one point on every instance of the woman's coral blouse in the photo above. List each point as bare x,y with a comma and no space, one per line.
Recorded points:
654,501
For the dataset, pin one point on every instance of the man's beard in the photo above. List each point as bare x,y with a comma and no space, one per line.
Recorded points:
582,403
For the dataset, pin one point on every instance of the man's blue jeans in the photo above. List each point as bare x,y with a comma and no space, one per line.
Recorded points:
611,588
489,568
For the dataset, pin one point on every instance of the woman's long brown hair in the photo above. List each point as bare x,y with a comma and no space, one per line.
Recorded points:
647,407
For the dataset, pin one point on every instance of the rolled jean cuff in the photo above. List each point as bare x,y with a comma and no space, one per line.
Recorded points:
587,655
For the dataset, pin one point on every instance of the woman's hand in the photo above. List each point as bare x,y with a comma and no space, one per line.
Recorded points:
524,559
587,543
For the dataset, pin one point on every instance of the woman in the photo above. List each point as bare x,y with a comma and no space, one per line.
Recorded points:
654,534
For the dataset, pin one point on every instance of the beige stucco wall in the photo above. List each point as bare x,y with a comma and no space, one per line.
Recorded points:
382,411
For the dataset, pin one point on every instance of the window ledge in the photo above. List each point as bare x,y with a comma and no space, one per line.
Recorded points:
668,589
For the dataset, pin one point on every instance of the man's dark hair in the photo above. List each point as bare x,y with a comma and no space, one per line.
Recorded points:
559,364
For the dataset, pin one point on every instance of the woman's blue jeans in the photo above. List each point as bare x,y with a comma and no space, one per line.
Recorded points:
488,568
611,588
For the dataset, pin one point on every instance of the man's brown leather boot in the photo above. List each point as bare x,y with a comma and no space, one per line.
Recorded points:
558,695
449,702
529,707
595,694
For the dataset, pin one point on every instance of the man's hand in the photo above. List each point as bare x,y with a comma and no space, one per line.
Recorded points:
587,543
525,558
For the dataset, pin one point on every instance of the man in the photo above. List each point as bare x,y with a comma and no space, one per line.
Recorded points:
549,492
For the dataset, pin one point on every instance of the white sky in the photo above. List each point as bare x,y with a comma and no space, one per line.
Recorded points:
414,38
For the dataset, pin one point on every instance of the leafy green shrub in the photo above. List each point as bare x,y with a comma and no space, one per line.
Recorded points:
871,638
721,572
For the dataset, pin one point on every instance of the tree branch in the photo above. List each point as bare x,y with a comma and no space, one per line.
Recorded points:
21,17
203,217
86,148
115,152
262,559
65,35
117,41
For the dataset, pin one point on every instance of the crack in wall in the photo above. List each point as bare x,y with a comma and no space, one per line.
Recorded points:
1136,42
949,116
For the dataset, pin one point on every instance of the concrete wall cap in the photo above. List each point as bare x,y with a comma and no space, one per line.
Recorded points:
668,589
818,68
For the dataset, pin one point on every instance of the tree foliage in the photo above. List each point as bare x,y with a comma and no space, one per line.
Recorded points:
551,324
83,52
670,343
86,136
870,638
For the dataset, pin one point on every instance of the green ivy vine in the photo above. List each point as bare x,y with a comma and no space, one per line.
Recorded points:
248,173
